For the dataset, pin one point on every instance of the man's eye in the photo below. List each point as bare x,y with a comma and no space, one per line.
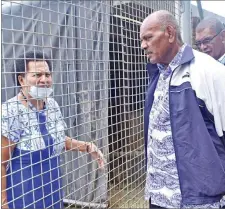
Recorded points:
206,41
149,38
37,75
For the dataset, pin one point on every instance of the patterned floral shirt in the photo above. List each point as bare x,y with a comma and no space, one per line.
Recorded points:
162,182
20,125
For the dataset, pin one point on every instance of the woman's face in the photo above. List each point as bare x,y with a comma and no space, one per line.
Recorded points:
37,74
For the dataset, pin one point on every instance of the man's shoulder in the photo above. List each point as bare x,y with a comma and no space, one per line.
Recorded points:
202,58
206,63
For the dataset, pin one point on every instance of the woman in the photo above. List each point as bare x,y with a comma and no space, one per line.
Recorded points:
33,137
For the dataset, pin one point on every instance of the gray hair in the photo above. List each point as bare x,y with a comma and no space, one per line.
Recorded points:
212,23
166,18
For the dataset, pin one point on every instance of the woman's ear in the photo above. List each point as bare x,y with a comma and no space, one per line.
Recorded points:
21,80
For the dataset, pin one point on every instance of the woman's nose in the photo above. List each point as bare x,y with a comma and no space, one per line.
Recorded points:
43,79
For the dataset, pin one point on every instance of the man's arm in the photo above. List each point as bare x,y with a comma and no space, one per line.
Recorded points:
215,96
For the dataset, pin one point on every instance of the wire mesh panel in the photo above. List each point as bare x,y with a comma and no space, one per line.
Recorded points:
128,83
89,53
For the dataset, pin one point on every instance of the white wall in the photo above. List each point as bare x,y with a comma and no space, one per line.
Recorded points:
194,10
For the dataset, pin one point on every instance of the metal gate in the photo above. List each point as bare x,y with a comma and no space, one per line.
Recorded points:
99,83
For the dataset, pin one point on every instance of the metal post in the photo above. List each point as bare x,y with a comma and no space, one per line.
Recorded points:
186,23
200,10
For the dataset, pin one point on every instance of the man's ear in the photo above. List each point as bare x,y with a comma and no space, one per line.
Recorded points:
171,32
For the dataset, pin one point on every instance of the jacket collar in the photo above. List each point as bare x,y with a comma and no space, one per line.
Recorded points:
222,59
187,56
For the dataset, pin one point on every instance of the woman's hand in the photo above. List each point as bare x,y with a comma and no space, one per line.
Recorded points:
73,144
4,203
96,154
5,206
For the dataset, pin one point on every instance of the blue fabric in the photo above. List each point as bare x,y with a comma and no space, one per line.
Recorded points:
34,177
200,152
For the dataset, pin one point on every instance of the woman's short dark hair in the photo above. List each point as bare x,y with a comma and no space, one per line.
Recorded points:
23,60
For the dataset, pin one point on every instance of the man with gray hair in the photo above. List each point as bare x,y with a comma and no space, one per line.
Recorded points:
210,38
184,119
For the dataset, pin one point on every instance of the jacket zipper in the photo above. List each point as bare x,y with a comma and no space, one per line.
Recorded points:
181,205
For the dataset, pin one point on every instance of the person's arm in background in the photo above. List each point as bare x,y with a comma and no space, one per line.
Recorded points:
7,148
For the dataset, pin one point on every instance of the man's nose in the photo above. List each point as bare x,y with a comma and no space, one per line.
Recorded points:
203,47
143,45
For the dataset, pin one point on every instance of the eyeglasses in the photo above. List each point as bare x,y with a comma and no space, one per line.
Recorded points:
206,40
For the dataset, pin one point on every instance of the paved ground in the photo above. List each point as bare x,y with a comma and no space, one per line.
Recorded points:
124,198
127,198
